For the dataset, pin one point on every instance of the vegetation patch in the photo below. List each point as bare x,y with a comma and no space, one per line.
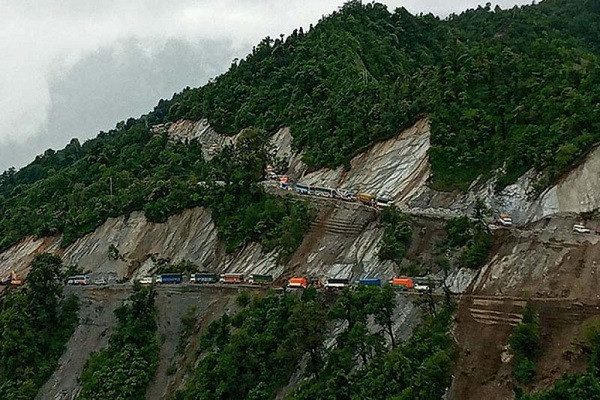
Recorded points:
35,325
253,354
132,169
397,235
525,346
124,369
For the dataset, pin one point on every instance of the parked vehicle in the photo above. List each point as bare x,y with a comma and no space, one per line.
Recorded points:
421,288
232,278
146,280
14,279
366,198
581,229
335,283
297,282
370,282
256,279
407,283
598,231
78,280
383,202
302,189
504,220
204,278
169,278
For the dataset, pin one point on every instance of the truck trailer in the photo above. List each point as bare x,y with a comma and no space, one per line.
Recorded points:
369,282
256,279
298,282
169,278
407,283
204,278
334,283
232,278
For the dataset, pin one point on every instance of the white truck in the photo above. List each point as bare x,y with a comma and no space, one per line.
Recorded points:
504,220
580,229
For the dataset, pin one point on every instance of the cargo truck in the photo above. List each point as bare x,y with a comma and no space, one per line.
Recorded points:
232,278
370,282
407,283
298,282
78,280
204,278
169,278
256,279
366,198
334,283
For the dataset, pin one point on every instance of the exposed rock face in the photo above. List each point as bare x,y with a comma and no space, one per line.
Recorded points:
394,168
19,256
212,142
577,192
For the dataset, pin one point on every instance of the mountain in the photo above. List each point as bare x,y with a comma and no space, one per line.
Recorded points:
456,121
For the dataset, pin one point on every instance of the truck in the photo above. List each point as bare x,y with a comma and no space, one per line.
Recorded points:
365,198
204,278
298,282
256,279
14,279
369,282
407,283
146,280
581,229
421,288
302,189
78,280
170,278
336,283
231,278
383,202
504,220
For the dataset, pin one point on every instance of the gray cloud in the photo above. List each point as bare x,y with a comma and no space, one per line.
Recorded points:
73,67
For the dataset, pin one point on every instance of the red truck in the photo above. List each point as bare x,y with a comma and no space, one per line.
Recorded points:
297,282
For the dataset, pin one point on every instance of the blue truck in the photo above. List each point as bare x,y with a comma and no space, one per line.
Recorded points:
169,278
370,282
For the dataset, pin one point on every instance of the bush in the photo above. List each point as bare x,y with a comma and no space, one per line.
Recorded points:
525,345
397,235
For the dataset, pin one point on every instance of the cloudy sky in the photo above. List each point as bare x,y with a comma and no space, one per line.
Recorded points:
71,68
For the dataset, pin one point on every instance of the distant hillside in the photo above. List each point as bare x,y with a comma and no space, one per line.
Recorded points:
514,89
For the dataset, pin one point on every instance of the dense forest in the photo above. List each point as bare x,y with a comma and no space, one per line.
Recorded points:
35,325
75,190
509,89
253,354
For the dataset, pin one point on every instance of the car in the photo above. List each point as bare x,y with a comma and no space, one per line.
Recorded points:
580,229
422,288
598,231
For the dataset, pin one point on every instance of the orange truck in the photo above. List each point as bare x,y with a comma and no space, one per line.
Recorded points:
232,278
298,283
407,283
365,198
14,279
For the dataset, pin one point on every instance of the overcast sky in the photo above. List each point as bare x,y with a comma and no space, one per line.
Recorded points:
71,68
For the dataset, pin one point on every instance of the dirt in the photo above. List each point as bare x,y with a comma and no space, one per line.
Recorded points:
482,329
